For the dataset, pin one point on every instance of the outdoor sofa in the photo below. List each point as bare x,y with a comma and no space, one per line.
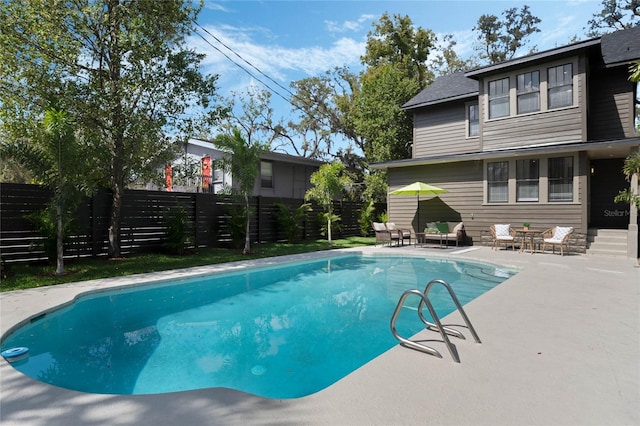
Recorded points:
447,231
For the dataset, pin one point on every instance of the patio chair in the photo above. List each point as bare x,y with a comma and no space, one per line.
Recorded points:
404,234
503,233
556,236
384,235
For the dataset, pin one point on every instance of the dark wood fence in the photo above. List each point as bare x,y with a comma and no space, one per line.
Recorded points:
143,221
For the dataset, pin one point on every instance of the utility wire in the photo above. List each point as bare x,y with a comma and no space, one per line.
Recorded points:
242,67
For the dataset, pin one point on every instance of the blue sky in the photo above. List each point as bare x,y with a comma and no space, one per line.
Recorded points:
291,40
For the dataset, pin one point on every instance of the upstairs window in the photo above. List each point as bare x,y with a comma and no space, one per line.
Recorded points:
528,92
266,174
498,182
560,86
561,179
473,114
499,98
527,179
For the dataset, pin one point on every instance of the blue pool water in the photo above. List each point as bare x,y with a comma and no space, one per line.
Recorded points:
278,332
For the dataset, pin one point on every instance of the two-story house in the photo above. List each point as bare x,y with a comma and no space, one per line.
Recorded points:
539,139
280,175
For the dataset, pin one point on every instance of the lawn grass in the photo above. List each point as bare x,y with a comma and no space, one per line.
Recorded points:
24,276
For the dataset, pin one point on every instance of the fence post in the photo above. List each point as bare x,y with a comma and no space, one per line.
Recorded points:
258,216
196,219
94,226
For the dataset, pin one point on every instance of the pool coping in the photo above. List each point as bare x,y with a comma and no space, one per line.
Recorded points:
560,345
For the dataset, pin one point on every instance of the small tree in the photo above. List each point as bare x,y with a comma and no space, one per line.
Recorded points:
329,181
243,162
366,217
632,162
54,157
631,167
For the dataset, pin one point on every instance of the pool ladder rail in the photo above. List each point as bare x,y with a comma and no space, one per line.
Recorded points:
444,331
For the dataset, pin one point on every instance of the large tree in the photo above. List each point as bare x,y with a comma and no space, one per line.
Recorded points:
447,61
394,40
251,113
378,115
395,60
500,40
119,67
324,105
615,15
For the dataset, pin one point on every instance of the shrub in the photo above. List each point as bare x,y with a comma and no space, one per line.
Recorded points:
179,230
290,221
237,225
366,218
335,223
45,222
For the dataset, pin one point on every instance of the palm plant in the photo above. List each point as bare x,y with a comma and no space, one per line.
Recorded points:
329,181
631,167
243,161
53,155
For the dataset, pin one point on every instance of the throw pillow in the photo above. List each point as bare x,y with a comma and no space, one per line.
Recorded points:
502,230
443,228
561,232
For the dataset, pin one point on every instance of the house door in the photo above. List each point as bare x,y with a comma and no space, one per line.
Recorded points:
606,181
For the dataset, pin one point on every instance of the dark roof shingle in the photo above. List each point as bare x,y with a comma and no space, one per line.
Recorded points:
621,47
445,88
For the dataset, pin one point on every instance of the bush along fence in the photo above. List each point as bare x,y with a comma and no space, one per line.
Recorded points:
146,221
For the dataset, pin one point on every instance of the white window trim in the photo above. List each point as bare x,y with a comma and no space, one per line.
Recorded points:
467,121
513,95
543,181
272,173
509,96
528,92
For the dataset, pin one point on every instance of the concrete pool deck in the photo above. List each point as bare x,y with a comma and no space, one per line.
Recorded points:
560,346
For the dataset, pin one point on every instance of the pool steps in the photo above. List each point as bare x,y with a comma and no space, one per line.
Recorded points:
444,331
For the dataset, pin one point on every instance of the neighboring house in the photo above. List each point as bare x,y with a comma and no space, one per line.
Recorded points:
285,176
281,175
194,170
540,139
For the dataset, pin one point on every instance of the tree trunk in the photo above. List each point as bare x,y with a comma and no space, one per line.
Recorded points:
114,227
59,242
329,225
247,237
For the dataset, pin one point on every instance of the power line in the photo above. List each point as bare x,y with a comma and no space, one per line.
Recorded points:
242,67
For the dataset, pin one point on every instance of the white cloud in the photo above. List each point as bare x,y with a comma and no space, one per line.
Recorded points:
215,6
349,26
273,60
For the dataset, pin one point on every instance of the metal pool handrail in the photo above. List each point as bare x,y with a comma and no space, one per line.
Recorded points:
437,326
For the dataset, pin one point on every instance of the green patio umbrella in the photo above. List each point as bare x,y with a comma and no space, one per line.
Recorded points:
418,189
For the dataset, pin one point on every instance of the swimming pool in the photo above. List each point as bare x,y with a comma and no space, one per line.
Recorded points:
278,332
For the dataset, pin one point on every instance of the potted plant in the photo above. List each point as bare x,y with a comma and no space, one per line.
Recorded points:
526,225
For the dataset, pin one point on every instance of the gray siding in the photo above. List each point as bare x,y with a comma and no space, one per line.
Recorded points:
289,181
555,126
442,130
549,127
611,112
464,181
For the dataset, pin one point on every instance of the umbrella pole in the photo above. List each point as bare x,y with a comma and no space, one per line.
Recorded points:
418,201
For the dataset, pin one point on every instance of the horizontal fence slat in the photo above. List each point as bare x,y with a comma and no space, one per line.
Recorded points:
143,221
